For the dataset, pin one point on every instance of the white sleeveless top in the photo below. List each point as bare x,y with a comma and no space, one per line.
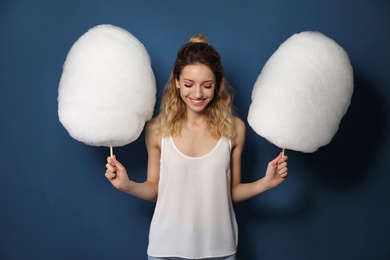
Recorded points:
194,215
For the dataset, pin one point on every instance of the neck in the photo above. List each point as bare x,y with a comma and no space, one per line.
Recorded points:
195,118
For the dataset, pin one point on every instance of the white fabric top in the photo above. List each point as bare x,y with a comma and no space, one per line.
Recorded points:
194,215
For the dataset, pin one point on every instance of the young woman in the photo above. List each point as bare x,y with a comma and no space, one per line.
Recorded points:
194,162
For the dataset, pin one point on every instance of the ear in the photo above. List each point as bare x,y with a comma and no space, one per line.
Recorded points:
177,82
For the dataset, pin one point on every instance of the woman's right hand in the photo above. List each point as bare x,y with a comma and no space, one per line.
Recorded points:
116,173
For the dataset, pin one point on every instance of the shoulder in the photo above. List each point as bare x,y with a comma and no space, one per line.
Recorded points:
153,124
239,139
239,124
152,136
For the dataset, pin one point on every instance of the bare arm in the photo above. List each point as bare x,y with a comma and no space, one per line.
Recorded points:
276,171
116,173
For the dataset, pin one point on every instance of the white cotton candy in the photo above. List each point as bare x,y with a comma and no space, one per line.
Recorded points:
107,89
302,93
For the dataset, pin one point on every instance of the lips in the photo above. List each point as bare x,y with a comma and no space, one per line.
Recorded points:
197,102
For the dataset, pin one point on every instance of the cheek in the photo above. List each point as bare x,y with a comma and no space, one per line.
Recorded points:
183,92
211,92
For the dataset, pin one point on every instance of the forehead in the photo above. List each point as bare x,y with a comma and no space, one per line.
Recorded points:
197,72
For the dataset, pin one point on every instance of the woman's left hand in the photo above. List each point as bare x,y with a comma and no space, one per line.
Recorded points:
276,171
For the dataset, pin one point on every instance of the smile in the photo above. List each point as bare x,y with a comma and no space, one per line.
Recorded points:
197,102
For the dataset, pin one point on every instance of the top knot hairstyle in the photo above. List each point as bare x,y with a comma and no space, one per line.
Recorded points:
219,111
199,38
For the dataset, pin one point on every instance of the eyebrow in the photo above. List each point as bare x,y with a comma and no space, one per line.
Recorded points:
210,80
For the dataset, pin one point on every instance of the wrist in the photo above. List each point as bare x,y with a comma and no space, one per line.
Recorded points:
126,187
264,184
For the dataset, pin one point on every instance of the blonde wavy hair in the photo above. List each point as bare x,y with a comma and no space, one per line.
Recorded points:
220,114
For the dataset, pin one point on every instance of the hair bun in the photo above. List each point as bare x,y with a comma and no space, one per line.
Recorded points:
198,38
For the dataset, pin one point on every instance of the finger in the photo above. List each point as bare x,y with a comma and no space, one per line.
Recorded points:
283,175
283,159
282,165
117,164
111,168
111,161
275,161
110,175
283,171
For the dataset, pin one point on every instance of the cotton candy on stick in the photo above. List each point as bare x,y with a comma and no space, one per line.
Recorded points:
107,89
302,93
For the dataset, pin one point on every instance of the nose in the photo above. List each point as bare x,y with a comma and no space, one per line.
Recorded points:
198,93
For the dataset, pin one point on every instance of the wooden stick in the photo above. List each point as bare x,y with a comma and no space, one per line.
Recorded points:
282,152
111,149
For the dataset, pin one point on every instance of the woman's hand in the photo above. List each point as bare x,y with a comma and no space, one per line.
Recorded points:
116,173
276,171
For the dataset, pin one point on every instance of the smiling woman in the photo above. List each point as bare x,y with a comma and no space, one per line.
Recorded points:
194,162
333,205
173,109
196,86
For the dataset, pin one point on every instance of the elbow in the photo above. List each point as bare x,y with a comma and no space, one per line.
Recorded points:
153,195
234,197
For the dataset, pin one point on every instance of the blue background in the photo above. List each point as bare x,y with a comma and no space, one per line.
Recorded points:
54,200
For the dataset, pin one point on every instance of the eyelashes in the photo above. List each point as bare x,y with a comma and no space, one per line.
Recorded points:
205,86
